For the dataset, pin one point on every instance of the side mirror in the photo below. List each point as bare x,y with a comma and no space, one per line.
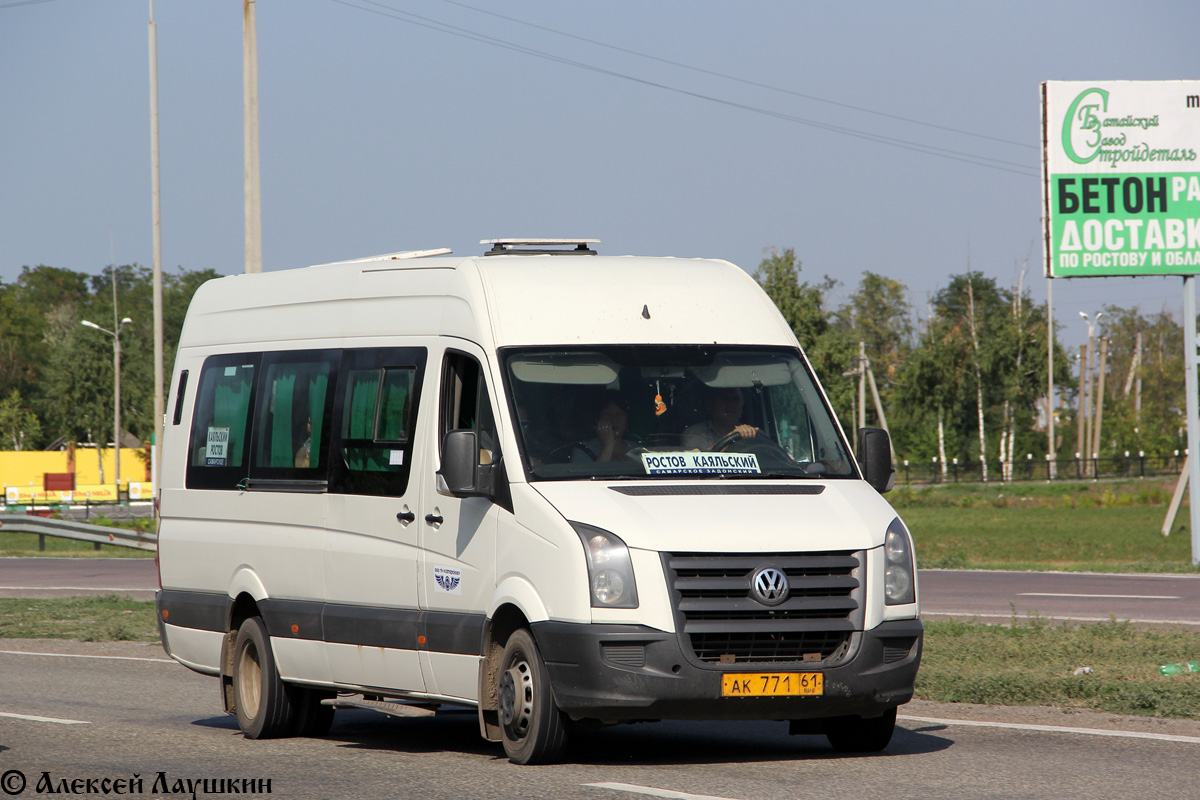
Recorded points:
461,470
875,458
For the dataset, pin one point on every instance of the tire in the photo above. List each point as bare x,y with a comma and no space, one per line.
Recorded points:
532,727
312,718
859,735
264,703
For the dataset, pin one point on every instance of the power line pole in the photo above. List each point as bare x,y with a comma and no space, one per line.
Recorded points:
250,113
157,215
862,384
1097,443
1081,404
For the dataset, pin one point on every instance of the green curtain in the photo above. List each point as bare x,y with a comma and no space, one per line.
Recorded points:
316,412
360,423
395,397
231,406
282,453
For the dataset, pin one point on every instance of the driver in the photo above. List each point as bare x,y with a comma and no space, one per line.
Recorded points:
724,408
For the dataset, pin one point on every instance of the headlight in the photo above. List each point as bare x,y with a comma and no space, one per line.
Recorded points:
610,570
899,582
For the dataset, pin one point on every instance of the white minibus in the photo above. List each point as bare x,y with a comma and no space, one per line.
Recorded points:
555,487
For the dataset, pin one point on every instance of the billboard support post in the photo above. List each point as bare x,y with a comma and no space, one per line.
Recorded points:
1193,409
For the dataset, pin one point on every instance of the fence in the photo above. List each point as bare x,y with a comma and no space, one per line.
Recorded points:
1032,469
80,531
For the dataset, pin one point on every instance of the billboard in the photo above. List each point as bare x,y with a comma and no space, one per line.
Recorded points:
1121,178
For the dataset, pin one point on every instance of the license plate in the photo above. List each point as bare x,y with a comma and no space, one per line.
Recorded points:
772,684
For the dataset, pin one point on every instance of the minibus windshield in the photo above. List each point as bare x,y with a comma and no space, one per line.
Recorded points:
646,411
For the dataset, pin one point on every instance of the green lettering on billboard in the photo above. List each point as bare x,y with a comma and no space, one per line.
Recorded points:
1081,119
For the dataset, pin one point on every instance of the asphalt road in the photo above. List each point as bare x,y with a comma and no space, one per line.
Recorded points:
1082,597
76,711
83,711
990,596
62,577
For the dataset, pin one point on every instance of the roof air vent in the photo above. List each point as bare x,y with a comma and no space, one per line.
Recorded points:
540,247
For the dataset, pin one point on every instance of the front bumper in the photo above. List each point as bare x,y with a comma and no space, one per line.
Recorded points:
617,673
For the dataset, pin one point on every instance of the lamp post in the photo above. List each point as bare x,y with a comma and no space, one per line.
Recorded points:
116,337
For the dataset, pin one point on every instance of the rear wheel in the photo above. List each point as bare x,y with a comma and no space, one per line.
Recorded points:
861,735
533,727
264,703
312,718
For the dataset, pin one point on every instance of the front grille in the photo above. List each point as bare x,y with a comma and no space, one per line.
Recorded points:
723,623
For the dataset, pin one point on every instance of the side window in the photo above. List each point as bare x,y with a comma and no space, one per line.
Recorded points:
465,404
294,409
377,408
221,425
180,393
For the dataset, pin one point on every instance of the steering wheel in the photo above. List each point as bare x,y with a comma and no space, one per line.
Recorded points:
726,440
764,447
564,451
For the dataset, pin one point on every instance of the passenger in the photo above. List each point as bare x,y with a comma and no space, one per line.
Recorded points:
724,407
610,442
304,453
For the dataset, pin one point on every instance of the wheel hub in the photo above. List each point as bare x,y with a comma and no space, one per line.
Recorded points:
249,681
516,699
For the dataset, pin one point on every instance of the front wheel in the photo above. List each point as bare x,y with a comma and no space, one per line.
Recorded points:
264,702
861,735
533,727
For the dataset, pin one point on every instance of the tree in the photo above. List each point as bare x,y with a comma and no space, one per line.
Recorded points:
931,390
802,305
64,371
879,315
24,304
980,366
1144,406
80,377
18,424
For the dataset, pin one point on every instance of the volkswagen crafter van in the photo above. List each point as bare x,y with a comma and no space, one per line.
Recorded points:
555,487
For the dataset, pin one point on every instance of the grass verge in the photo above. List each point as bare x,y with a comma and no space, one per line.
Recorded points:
1033,662
107,618
1114,527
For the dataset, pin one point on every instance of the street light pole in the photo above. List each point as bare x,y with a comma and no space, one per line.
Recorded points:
116,337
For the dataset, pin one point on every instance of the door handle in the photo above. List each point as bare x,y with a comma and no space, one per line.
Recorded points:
406,516
433,520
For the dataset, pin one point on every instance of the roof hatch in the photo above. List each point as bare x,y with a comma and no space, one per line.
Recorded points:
540,247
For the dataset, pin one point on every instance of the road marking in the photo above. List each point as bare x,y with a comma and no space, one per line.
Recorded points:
1162,737
75,655
1102,596
973,614
1061,573
650,790
32,718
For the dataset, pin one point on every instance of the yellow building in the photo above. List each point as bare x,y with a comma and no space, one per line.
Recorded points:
24,472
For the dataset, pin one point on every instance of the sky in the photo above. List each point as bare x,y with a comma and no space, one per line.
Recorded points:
899,138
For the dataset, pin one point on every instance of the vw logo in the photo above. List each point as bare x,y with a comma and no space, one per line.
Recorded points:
769,586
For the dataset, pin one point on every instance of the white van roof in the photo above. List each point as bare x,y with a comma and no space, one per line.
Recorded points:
508,297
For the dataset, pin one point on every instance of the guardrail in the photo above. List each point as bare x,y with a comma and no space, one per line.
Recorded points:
80,531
